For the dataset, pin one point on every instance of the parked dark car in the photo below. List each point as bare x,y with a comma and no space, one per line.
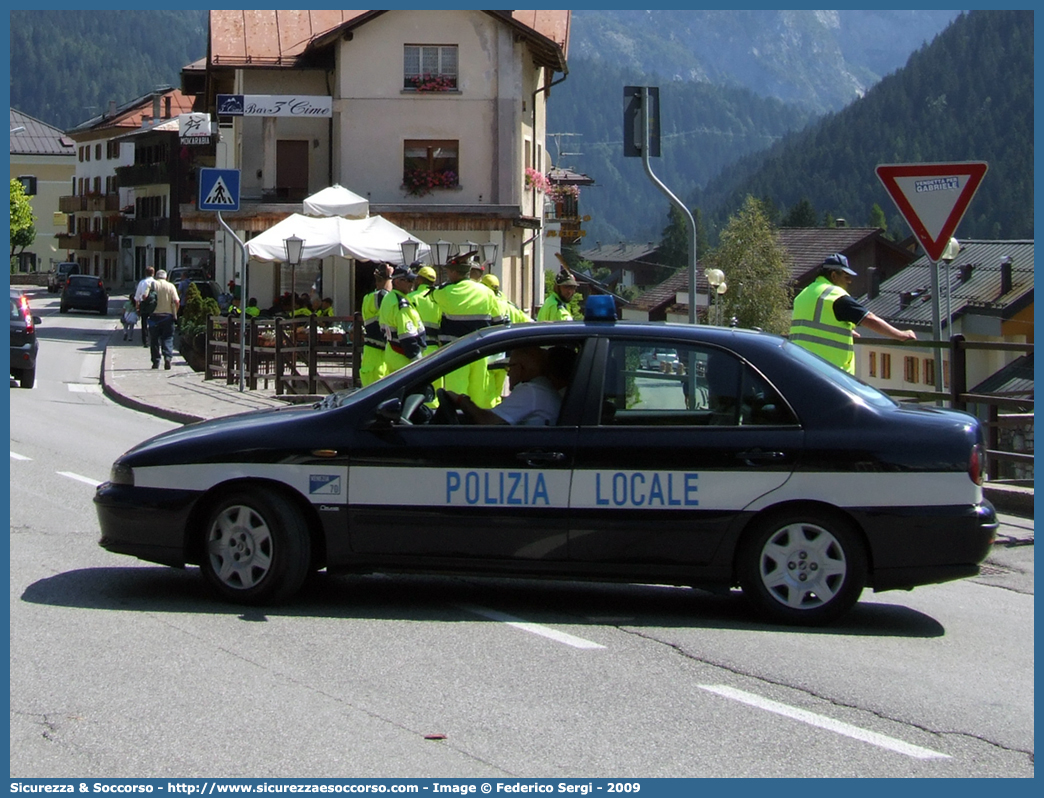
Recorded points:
208,289
57,276
753,464
84,292
24,346
179,273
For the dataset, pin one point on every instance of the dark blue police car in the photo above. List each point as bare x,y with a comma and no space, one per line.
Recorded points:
742,460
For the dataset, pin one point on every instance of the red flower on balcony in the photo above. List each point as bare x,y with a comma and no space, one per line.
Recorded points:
419,182
429,82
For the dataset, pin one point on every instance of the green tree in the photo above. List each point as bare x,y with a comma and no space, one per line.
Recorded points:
674,243
878,219
756,270
801,214
23,220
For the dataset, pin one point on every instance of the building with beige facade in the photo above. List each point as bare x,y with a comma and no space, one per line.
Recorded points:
432,116
43,158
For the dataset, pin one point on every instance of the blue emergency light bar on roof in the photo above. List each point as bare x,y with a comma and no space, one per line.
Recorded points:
600,307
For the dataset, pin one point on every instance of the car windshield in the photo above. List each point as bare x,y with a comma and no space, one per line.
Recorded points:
867,393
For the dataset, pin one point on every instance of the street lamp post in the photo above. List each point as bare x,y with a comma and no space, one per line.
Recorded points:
441,250
409,248
716,281
294,246
490,250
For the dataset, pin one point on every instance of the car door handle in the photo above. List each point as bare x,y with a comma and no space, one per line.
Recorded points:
539,458
759,455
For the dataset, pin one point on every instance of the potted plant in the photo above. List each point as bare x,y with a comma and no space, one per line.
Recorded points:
192,327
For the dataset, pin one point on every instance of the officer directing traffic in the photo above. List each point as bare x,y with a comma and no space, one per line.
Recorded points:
825,316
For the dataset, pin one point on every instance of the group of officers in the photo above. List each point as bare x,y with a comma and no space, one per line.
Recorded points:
408,316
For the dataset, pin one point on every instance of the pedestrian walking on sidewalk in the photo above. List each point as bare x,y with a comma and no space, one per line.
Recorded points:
129,317
143,296
161,321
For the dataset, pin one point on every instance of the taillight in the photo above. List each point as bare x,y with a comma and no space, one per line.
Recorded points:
26,314
977,464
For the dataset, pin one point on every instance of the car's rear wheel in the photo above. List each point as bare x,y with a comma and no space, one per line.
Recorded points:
805,568
63,308
256,548
27,378
104,310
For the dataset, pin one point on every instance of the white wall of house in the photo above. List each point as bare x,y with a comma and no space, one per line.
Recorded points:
490,114
254,156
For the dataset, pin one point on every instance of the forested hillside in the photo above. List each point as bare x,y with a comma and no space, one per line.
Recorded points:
704,128
968,96
67,65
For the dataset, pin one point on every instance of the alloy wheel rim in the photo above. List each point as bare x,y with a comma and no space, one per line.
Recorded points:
240,547
802,566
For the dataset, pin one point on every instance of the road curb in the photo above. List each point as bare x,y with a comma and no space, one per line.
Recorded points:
1010,499
127,401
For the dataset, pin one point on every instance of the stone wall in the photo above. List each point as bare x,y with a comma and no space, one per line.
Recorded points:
1015,434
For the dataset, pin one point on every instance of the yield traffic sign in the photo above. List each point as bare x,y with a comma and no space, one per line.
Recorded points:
932,197
218,189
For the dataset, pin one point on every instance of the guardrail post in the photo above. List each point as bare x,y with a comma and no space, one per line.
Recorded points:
958,372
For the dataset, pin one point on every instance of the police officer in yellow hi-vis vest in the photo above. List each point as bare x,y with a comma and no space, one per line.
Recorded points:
825,316
466,306
372,367
401,323
556,308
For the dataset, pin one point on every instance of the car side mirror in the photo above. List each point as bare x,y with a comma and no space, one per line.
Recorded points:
390,409
37,320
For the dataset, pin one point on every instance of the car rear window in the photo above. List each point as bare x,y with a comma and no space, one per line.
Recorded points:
867,393
82,280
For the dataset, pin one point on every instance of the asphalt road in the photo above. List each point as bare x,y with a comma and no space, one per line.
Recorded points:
121,668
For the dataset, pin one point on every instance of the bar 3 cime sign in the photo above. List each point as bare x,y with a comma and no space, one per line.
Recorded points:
299,105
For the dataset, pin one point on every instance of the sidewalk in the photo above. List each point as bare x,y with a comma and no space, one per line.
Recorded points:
180,394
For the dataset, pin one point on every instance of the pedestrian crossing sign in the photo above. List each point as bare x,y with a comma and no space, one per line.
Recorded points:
219,189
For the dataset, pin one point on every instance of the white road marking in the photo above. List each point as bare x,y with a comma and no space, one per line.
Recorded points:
92,482
534,628
79,387
823,722
16,456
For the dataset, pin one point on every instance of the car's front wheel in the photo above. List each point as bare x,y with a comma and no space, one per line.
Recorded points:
256,548
805,568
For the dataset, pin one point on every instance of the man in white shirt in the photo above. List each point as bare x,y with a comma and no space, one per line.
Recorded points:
144,285
534,398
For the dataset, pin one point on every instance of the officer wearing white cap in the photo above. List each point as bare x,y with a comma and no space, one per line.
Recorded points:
401,323
556,308
825,316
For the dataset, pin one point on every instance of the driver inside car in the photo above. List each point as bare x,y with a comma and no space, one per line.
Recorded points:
538,379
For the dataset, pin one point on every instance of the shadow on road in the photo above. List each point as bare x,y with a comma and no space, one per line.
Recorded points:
436,599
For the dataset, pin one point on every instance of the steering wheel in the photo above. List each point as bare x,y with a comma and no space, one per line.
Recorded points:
446,412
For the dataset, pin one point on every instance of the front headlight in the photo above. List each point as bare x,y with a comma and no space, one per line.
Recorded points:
121,474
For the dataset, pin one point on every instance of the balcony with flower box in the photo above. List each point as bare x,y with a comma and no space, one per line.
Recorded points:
70,241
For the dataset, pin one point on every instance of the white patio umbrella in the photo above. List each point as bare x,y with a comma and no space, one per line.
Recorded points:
337,201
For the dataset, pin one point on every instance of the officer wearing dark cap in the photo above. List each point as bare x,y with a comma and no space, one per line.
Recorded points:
466,306
556,308
401,323
825,316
